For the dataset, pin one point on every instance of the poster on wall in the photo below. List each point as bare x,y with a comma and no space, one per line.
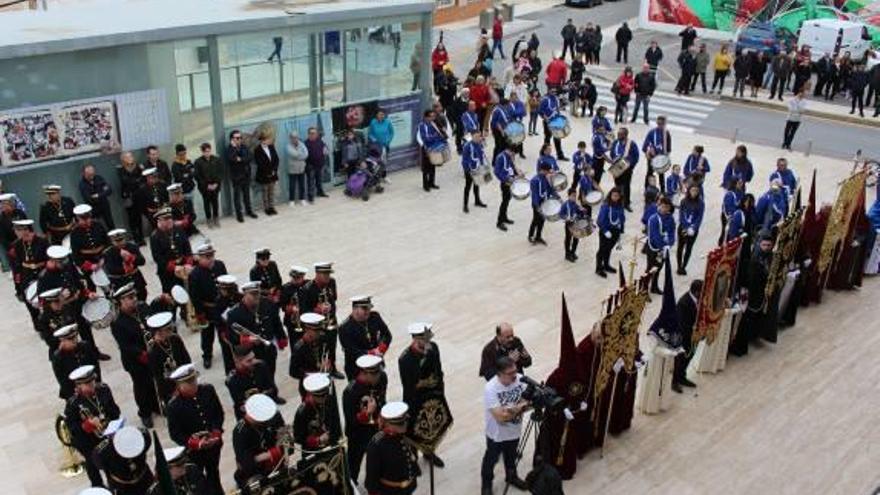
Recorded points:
28,137
89,127
354,118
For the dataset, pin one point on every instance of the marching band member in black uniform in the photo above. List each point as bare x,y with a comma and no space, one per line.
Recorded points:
70,355
56,215
255,441
195,421
152,195
54,316
623,147
122,262
249,377
265,271
362,400
363,332
182,210
421,374
123,457
289,302
310,355
316,425
658,141
166,351
203,293
319,296
171,251
661,238
262,326
611,222
27,256
9,213
88,240
87,413
472,156
187,477
227,297
130,331
392,461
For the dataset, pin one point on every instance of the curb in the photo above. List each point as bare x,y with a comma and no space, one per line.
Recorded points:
810,113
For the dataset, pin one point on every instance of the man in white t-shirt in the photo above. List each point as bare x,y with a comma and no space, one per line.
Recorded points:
504,408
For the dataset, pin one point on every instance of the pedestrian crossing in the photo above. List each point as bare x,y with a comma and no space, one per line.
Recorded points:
683,113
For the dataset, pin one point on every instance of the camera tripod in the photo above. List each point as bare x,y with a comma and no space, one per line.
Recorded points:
533,426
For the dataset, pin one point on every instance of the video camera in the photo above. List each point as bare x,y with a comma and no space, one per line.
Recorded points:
542,397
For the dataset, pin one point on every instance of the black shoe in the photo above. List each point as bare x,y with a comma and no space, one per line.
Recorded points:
465,209
562,158
480,204
628,208
610,269
501,226
632,121
426,188
600,272
436,461
267,212
435,186
239,218
147,421
569,257
687,383
508,221
518,483
279,400
103,357
541,241
273,211
676,387
323,195
655,290
575,256
207,362
486,490
681,271
336,375
252,214
143,243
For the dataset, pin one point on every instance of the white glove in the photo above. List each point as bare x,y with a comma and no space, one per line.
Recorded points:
808,262
568,414
584,406
608,234
618,365
691,232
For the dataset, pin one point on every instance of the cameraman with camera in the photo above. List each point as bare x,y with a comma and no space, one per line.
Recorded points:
505,405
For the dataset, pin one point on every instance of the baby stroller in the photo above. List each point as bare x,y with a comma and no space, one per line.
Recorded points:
368,177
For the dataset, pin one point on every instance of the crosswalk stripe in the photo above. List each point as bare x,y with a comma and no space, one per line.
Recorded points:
678,98
678,128
658,105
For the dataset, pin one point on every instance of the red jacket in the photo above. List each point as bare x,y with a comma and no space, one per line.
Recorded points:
556,72
439,59
625,84
480,95
497,29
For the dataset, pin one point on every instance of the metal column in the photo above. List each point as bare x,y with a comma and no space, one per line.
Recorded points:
219,123
313,71
425,76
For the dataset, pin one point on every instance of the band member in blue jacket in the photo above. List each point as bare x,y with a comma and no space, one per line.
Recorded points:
429,136
549,108
546,156
674,183
690,218
730,203
498,121
516,111
470,121
739,167
472,157
661,238
772,207
505,172
658,141
585,186
541,190
624,147
611,221
786,176
600,122
600,143
571,212
580,160
696,163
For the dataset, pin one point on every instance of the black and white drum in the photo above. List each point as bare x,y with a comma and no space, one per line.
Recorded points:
581,228
520,189
515,132
180,296
482,175
660,163
101,280
31,296
594,197
550,209
439,155
559,181
619,167
559,126
99,312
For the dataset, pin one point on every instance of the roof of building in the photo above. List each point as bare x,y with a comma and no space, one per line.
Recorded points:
92,24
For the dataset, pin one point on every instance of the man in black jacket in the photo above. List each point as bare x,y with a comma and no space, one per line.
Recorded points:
623,36
96,193
687,62
238,159
653,56
688,35
266,176
857,84
569,33
821,68
645,85
687,317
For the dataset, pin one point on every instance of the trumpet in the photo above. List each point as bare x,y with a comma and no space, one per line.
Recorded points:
365,405
242,331
330,319
324,364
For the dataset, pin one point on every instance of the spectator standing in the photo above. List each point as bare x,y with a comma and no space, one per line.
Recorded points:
688,35
266,159
597,44
415,65
183,172
781,67
238,159
96,193
439,58
587,96
577,69
534,42
315,165
702,57
653,56
155,161
569,34
381,132
822,69
758,65
350,151
796,107
857,84
446,86
721,67
687,63
296,169
497,35
130,180
741,70
481,98
209,178
557,73
802,68
623,37
582,43
645,85
277,42
873,84
833,84
623,87
846,71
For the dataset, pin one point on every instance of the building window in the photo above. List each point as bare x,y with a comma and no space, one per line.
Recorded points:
442,4
380,60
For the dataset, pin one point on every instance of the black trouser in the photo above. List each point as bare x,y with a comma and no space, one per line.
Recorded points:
661,178
684,82
268,354
557,143
501,143
620,108
207,340
623,50
702,77
791,127
723,234
537,225
429,172
654,261
241,191
567,45
358,441
103,212
494,450
208,461
145,391
468,183
860,99
679,369
641,100
821,81
778,84
603,257
739,84
598,169
134,224
585,104
718,78
571,242
623,183
226,348
505,202
684,248
212,204
92,470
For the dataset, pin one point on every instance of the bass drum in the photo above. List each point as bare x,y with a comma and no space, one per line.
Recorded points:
519,188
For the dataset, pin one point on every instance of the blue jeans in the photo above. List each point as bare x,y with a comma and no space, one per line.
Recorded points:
296,186
496,44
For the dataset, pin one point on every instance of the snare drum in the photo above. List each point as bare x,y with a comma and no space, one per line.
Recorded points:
559,126
31,296
180,296
660,163
594,197
439,155
676,199
515,132
99,312
619,167
520,189
482,175
550,209
100,279
198,239
559,181
66,241
580,228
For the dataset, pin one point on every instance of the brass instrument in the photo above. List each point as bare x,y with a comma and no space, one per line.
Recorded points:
325,358
330,319
241,331
365,403
72,464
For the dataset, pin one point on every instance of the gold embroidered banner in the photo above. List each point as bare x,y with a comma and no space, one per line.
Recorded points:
841,216
720,276
787,240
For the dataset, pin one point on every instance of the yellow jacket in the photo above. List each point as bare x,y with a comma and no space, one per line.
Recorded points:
723,61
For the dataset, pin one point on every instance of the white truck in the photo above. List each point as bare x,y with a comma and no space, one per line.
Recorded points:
834,37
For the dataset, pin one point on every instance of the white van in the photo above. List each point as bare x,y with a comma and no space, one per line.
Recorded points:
833,37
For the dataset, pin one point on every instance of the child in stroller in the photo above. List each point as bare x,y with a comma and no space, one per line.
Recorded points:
368,176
